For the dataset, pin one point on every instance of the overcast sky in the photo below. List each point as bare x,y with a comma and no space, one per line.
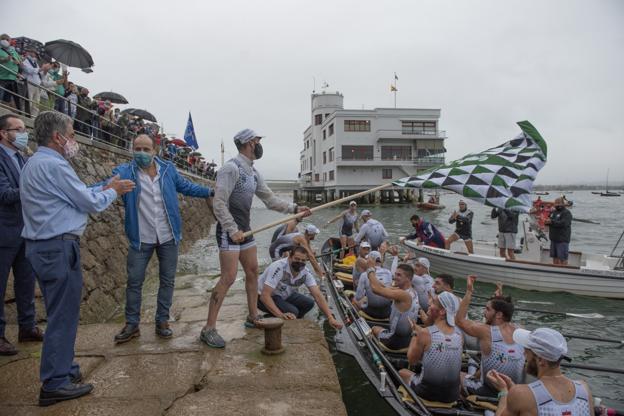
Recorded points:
237,64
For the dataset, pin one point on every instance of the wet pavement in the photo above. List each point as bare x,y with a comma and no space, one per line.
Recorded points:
181,376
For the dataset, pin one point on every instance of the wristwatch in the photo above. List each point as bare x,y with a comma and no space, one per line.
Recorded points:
370,270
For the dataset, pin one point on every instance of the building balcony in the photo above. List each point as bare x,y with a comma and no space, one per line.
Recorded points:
420,162
409,134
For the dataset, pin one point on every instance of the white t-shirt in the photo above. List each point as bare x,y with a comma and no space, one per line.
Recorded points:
278,276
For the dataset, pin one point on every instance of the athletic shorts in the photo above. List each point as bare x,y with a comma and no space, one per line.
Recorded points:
464,236
394,341
475,386
507,240
225,243
346,231
445,394
559,250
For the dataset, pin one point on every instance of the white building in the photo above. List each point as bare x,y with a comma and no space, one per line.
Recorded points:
346,151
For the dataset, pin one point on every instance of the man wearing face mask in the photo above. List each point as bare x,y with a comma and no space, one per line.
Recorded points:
153,224
13,140
56,205
10,60
559,231
237,182
278,289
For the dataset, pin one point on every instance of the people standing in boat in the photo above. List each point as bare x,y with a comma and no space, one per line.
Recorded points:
359,266
347,227
439,348
282,245
425,232
372,231
498,350
278,287
559,231
507,230
365,299
404,305
552,393
237,182
463,227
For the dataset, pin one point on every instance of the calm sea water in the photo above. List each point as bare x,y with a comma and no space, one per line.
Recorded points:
357,393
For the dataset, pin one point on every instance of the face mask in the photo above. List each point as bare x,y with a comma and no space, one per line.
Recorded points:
258,151
143,159
297,266
5,43
21,140
70,148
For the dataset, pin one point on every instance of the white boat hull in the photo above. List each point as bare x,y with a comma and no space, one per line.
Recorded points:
601,282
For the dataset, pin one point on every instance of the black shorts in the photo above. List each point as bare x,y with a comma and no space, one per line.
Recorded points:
225,243
464,236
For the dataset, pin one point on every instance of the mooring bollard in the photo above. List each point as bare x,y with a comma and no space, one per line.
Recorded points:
272,335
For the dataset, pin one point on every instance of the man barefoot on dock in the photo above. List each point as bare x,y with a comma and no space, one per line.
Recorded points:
237,182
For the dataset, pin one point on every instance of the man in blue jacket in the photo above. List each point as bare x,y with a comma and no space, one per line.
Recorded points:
152,223
13,138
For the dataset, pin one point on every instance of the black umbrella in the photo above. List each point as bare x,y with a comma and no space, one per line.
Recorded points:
69,53
113,97
145,115
23,43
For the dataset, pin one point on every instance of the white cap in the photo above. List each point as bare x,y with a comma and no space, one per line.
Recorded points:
366,213
311,229
365,244
374,255
423,261
352,203
450,303
245,136
544,342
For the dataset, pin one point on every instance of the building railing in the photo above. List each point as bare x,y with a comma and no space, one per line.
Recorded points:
410,133
428,160
93,129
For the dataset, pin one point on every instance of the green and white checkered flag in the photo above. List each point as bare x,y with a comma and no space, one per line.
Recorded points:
499,177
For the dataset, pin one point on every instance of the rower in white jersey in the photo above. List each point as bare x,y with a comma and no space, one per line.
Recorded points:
439,349
553,394
347,227
372,304
360,266
372,231
498,350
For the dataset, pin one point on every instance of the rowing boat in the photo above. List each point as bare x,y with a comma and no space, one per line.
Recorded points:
585,274
428,206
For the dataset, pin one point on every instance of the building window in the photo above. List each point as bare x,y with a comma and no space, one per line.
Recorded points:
357,125
316,177
324,176
331,175
324,157
386,173
396,152
318,119
324,134
310,167
331,129
357,152
419,127
326,116
331,154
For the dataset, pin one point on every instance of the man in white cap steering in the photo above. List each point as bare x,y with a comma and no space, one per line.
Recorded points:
552,393
237,182
372,231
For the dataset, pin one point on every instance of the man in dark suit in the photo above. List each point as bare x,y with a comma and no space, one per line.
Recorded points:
13,138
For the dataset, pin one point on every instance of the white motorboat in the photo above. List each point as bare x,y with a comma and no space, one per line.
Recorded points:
585,274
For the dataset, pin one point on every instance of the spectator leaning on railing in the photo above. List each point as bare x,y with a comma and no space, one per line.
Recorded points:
10,61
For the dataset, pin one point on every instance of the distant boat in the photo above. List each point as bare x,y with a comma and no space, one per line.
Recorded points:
542,193
606,192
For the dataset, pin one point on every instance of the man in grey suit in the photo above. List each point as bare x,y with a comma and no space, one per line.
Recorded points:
13,138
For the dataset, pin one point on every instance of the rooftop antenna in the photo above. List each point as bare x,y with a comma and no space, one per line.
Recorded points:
314,83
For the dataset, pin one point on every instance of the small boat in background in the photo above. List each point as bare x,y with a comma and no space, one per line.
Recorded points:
606,192
432,204
542,193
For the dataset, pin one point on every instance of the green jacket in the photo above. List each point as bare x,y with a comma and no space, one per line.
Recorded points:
5,74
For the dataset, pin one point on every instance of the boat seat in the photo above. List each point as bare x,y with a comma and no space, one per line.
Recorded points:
345,277
349,293
481,404
428,403
343,267
386,349
371,319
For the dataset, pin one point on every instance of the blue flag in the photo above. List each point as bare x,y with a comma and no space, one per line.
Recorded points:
189,134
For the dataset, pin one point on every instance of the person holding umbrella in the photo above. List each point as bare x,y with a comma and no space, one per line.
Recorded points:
237,182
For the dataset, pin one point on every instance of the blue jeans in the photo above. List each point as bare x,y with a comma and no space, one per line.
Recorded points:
296,303
24,285
56,264
137,263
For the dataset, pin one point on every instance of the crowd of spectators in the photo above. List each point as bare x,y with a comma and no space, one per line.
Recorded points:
30,83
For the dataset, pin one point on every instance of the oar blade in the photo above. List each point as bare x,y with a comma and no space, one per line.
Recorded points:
585,315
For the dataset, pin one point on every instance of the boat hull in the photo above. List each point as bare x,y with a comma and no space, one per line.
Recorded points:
524,274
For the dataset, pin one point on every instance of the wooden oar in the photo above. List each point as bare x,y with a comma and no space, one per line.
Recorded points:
571,314
327,205
599,339
586,221
593,368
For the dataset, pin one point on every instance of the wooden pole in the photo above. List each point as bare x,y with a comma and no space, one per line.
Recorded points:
320,207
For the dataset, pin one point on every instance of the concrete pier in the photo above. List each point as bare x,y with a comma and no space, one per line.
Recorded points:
182,376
